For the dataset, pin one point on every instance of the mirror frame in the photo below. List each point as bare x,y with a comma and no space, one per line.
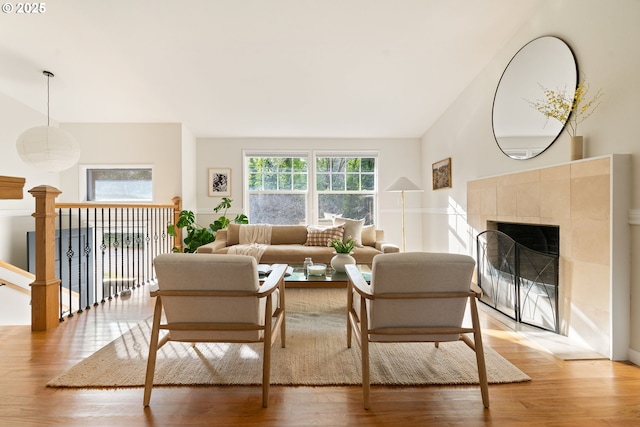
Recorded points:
520,131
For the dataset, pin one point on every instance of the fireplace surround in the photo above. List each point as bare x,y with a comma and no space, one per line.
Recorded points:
589,200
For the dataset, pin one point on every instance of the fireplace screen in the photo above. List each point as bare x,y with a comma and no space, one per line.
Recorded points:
518,281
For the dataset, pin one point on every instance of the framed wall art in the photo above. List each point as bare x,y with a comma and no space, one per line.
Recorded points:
441,172
219,182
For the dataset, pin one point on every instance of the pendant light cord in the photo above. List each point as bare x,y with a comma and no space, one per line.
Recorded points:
48,78
49,74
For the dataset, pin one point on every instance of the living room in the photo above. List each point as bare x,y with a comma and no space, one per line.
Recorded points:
602,36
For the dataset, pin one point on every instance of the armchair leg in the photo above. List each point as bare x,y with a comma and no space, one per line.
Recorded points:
153,352
364,347
482,367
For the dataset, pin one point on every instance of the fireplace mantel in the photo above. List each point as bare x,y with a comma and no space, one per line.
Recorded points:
589,200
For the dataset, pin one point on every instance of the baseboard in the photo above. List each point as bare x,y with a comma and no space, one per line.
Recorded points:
634,356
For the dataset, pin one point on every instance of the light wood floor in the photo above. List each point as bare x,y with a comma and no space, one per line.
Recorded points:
571,393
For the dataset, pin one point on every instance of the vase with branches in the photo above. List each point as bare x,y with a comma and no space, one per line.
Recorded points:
569,108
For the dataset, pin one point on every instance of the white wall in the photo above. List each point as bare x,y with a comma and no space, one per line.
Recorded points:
128,143
397,157
603,37
189,171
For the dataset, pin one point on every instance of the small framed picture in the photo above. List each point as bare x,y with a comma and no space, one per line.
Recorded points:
441,172
219,182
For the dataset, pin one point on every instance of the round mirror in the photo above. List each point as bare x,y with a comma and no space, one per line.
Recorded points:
521,131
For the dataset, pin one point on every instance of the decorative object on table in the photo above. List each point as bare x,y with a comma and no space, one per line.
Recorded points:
219,182
343,250
305,265
403,185
197,235
47,147
441,174
317,269
571,109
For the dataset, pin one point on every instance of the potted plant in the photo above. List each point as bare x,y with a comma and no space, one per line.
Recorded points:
343,251
198,235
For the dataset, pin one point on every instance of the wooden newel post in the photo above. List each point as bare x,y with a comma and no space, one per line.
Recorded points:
177,207
45,290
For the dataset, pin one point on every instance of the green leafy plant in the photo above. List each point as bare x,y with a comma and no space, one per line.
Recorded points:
341,247
198,235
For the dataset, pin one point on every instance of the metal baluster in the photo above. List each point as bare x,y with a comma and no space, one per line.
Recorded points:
127,241
137,241
60,261
147,240
110,245
95,258
79,228
87,253
103,248
69,254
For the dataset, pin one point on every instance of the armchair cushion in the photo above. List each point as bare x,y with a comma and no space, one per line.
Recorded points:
212,273
419,272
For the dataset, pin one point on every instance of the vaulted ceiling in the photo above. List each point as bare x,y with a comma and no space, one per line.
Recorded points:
255,68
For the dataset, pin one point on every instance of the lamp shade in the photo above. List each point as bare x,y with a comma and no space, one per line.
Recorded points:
403,184
49,148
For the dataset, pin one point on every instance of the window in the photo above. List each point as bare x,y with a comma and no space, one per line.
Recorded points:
346,186
110,184
277,189
291,189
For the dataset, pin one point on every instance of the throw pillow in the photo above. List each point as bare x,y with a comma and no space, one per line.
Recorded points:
322,236
369,235
352,228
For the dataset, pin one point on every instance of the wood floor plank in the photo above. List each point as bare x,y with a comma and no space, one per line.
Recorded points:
561,393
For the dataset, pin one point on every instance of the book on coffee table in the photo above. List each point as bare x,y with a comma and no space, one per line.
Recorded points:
265,269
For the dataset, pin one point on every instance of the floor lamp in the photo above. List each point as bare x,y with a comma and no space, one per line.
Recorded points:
403,185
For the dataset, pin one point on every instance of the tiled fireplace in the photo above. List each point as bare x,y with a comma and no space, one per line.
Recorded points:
589,201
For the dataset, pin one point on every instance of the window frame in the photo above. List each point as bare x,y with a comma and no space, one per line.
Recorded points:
311,194
83,178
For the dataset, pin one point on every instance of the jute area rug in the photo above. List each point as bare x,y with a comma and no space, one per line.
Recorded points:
316,354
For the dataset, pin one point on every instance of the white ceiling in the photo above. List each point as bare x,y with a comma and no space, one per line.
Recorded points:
255,68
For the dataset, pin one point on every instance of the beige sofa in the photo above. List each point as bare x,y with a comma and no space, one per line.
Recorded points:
288,245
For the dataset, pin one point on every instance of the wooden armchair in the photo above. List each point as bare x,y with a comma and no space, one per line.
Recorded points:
216,298
414,297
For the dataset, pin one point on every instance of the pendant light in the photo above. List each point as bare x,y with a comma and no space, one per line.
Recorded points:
46,147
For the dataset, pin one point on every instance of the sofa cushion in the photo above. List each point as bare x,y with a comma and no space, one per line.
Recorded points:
280,234
322,236
288,234
368,235
352,228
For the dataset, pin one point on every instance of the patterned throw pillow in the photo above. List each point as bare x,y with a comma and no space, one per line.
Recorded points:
321,236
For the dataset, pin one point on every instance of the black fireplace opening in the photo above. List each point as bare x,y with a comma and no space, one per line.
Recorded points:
518,271
537,237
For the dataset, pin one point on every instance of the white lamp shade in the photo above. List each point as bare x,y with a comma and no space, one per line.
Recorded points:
49,148
403,184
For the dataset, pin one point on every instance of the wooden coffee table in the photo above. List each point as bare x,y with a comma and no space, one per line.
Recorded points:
332,279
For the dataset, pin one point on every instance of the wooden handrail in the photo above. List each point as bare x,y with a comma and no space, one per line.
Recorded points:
176,206
113,205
